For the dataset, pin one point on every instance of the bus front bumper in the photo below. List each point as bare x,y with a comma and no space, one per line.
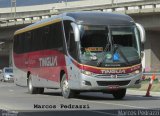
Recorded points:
94,83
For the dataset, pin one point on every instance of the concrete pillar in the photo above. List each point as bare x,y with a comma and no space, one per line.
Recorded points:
155,50
4,55
152,51
147,51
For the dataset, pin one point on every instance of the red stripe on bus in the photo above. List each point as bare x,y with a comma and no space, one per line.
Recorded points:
46,63
100,70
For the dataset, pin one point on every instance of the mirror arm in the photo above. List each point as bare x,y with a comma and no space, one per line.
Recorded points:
76,31
142,32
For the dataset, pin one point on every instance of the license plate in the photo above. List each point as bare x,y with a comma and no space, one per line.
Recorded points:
113,86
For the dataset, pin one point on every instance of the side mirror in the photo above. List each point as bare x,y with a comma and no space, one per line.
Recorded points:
76,32
142,32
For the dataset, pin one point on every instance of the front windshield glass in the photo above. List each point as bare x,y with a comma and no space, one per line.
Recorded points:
109,45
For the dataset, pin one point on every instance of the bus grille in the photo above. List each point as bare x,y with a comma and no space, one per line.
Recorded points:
109,75
107,83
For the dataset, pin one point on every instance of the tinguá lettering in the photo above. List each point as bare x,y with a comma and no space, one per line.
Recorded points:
113,71
48,61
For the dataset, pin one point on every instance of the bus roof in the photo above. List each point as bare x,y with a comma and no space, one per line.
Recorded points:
38,24
101,18
84,17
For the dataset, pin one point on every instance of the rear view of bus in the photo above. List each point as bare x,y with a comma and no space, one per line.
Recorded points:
102,53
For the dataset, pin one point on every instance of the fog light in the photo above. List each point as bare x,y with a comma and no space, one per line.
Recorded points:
86,83
138,81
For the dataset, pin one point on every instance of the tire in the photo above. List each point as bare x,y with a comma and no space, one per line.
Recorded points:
40,90
3,80
119,94
31,89
66,91
77,93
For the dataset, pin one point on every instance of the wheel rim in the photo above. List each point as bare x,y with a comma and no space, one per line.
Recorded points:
65,87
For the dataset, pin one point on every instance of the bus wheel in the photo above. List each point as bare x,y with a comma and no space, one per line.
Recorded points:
66,91
119,94
40,90
3,80
31,89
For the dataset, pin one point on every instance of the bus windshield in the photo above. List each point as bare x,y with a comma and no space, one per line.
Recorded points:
109,45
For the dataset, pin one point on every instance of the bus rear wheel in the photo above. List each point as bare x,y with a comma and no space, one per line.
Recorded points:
31,89
119,94
66,91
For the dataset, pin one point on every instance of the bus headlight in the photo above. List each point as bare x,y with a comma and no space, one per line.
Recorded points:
7,76
136,72
88,73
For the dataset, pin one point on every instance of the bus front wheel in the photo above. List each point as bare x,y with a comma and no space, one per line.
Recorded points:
31,89
40,90
119,94
66,91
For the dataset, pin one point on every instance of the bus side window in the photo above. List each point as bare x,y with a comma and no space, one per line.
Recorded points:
21,43
46,37
55,37
16,44
36,41
72,45
67,28
70,41
27,40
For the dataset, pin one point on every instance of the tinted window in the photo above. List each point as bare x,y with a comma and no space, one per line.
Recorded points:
56,36
67,27
47,37
27,40
71,44
19,44
36,42
15,43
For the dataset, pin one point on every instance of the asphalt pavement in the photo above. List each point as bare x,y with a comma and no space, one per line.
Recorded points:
16,100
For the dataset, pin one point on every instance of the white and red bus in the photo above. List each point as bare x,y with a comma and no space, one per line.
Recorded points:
78,52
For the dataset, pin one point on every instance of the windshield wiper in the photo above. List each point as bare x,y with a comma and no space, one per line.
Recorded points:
99,63
116,48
